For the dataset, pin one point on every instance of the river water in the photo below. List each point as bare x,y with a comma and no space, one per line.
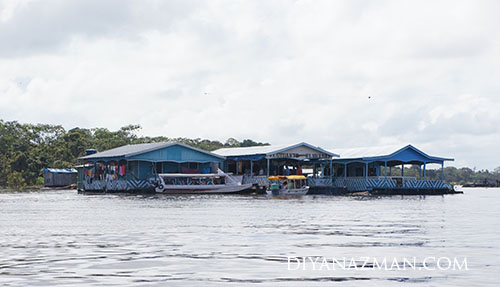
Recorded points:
65,238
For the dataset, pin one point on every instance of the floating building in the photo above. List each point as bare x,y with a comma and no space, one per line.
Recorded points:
135,167
255,164
57,177
361,169
347,170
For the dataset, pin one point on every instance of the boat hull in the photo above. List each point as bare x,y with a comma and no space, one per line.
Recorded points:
288,192
204,190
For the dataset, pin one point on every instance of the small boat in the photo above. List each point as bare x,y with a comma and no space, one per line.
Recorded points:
287,185
219,182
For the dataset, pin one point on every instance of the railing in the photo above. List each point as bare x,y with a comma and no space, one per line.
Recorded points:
320,181
262,180
116,185
362,183
378,182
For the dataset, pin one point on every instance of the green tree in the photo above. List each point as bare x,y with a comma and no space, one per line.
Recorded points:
27,149
15,180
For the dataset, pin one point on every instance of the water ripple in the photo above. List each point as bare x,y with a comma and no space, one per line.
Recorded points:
65,238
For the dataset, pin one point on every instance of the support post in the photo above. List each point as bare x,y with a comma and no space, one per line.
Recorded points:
385,169
366,170
138,170
251,168
442,170
345,170
268,167
403,170
425,177
331,169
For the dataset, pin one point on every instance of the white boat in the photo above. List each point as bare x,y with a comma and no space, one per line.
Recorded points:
219,182
287,185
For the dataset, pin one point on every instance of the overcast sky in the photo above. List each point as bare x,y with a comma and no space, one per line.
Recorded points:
331,73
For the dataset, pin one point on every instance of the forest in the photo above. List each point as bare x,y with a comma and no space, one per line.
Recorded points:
27,149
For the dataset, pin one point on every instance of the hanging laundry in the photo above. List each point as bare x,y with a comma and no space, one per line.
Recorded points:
122,170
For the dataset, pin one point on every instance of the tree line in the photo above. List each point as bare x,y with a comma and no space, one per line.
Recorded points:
27,149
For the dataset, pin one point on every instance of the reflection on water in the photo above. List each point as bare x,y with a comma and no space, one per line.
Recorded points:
61,237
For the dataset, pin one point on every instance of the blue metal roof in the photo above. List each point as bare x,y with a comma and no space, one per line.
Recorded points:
60,170
407,154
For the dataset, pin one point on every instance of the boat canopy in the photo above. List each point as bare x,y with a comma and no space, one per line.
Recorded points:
291,177
296,177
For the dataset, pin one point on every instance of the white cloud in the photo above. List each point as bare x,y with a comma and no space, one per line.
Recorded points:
333,73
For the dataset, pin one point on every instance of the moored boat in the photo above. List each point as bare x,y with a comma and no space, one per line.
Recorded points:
287,185
199,183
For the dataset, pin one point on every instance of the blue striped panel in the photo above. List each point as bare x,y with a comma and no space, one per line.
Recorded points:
138,184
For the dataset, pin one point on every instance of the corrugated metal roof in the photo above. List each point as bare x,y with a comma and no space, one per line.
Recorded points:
239,151
130,150
267,150
361,152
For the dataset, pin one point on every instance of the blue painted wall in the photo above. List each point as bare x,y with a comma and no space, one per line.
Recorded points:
139,170
171,158
176,153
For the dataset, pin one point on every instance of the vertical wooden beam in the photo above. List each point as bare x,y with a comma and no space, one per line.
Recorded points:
366,170
251,167
345,170
425,164
403,170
